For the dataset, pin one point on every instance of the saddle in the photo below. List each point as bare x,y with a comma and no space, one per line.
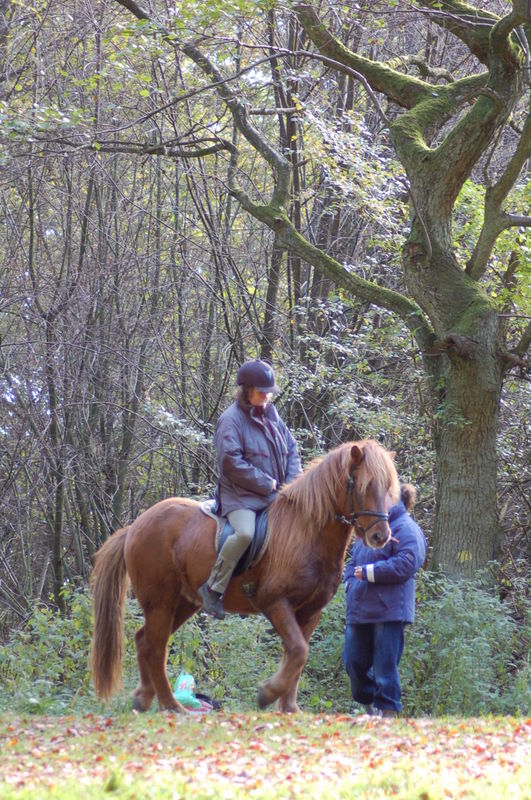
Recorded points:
256,549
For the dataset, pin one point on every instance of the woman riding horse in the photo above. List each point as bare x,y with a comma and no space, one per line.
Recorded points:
256,455
168,552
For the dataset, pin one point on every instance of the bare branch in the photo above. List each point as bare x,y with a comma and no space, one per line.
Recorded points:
495,221
265,112
161,150
405,90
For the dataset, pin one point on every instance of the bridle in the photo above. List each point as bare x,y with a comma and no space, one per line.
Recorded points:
352,518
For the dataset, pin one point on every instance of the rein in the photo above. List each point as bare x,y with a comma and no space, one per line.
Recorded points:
352,518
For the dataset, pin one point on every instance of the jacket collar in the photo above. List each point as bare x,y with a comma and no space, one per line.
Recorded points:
397,511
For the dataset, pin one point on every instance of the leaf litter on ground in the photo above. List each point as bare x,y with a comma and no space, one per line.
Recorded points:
263,755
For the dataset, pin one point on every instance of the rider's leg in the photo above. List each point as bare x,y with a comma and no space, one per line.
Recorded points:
243,521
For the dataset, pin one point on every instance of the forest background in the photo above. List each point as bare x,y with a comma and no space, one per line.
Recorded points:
185,186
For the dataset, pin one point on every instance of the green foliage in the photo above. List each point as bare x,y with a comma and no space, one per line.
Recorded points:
228,660
44,667
465,655
512,245
45,663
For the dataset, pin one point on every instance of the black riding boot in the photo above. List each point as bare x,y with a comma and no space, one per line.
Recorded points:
211,601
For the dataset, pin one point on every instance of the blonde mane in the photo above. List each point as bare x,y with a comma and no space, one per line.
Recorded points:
303,507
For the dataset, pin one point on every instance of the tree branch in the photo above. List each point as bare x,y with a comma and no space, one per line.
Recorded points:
135,9
525,341
404,90
458,153
279,164
288,237
161,149
495,221
425,69
464,21
142,149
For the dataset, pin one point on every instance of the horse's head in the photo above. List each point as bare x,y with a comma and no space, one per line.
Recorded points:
372,488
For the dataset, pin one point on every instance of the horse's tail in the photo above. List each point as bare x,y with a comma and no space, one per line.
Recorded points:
109,588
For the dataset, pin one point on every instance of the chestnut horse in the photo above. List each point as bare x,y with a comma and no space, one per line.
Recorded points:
169,550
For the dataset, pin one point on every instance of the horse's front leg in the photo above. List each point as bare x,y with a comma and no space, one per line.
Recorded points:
288,701
282,617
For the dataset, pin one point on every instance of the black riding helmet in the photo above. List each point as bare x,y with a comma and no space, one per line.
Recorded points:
258,375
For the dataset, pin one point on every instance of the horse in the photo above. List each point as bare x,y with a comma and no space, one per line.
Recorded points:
169,550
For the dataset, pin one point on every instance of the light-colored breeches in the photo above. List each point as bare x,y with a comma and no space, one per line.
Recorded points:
243,521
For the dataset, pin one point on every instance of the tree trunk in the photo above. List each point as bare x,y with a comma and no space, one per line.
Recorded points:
467,533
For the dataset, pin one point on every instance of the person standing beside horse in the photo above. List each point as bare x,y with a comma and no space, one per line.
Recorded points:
256,454
380,598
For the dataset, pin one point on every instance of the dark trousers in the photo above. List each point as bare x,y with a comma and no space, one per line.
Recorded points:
371,656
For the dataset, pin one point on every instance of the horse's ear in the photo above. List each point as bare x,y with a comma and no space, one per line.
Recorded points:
357,455
392,454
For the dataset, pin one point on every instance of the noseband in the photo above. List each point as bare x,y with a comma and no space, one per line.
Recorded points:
352,518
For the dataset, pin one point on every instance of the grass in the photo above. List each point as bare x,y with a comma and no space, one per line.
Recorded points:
262,756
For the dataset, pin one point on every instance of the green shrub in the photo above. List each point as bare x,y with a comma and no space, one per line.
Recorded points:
44,667
464,655
228,660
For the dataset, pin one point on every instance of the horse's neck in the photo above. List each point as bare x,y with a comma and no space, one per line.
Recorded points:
334,541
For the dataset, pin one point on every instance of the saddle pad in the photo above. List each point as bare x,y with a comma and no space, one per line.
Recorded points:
224,529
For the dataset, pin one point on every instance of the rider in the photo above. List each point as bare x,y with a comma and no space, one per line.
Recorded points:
256,455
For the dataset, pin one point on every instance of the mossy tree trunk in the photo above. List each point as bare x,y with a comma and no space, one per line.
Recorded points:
439,135
466,358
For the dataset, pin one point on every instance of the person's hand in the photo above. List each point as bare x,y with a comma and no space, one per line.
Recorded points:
358,573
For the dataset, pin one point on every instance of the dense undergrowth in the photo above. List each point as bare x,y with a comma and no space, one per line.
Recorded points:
466,654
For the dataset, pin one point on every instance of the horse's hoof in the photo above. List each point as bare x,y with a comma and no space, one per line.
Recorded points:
265,698
289,708
142,699
173,708
138,705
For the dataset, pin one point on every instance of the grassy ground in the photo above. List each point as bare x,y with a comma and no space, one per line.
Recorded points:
263,756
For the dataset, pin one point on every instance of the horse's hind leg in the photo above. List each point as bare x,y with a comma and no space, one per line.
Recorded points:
152,642
144,692
283,620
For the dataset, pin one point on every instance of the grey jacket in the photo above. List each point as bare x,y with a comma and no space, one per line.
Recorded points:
253,451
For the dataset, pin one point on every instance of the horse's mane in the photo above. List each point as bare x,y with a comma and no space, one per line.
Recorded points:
303,507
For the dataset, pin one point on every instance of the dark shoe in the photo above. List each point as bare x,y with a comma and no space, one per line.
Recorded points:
388,713
211,601
371,711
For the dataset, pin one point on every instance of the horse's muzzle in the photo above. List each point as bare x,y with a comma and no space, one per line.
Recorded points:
378,536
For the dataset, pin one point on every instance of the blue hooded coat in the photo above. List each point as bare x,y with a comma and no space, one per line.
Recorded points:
254,450
386,592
